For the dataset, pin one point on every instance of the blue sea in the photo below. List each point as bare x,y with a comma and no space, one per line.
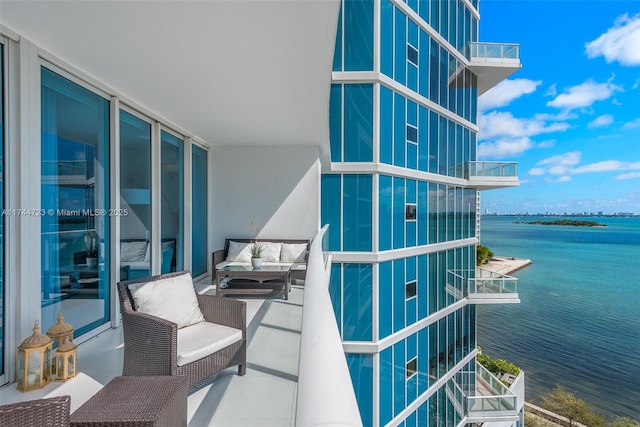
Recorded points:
578,323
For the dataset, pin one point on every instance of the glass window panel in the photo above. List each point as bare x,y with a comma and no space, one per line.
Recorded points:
433,142
398,212
75,201
400,34
423,139
423,71
385,206
399,282
337,55
386,125
2,222
386,43
385,300
331,208
412,55
357,302
335,123
358,35
172,202
358,123
361,370
135,195
199,223
399,137
358,212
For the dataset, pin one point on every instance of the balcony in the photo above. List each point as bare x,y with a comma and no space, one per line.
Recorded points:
481,286
481,397
490,175
492,62
296,369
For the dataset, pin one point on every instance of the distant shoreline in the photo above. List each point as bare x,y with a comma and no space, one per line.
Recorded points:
565,222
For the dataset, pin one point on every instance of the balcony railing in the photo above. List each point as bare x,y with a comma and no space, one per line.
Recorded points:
496,169
480,396
325,391
482,286
493,51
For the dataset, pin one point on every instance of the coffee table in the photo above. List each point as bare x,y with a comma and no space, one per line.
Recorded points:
249,280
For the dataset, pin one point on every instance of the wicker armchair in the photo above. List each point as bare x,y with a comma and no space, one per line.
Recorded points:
150,343
51,412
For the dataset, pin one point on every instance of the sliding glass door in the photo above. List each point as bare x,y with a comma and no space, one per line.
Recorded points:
135,196
199,211
172,201
74,204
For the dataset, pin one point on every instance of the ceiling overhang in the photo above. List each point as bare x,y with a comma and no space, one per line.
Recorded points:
228,72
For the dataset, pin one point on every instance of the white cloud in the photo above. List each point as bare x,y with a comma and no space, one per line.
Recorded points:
606,166
632,124
504,147
505,92
584,95
552,91
565,178
547,143
620,43
629,175
604,120
537,171
566,159
502,123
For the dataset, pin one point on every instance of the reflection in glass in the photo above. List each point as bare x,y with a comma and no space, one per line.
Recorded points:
171,205
199,212
74,203
135,196
2,305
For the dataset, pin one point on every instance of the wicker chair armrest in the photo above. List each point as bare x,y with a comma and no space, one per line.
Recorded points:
151,341
54,411
217,257
224,311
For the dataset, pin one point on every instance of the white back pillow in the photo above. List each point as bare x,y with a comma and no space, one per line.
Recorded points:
173,299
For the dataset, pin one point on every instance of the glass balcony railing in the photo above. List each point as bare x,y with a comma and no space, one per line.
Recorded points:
482,284
494,169
481,395
491,51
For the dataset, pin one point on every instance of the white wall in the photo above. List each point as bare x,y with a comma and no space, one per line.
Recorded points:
277,188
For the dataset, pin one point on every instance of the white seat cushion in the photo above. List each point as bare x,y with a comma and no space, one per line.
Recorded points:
173,299
133,251
203,339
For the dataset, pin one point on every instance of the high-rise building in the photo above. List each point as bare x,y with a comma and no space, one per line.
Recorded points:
401,201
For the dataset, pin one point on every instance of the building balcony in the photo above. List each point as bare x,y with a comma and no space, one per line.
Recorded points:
481,286
296,369
492,62
490,175
481,397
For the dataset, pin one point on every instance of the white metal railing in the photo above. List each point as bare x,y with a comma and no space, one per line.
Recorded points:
325,391
494,50
480,281
480,393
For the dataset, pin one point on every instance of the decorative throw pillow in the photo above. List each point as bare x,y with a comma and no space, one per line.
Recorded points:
132,251
293,252
270,251
173,299
239,252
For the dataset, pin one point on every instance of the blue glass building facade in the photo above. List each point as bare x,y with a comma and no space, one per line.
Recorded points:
402,124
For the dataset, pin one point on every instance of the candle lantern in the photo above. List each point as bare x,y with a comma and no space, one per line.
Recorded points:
34,361
60,331
66,358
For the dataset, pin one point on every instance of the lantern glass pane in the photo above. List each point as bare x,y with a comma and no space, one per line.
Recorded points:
72,364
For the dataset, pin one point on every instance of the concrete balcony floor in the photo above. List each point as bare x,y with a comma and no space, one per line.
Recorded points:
265,396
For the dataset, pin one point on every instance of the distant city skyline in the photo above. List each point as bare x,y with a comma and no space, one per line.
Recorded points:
571,116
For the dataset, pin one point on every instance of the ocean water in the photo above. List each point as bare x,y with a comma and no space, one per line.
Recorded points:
578,323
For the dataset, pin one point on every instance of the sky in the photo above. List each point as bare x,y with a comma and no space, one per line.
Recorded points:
570,117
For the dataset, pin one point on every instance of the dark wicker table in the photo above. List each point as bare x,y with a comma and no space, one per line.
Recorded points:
136,402
248,280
